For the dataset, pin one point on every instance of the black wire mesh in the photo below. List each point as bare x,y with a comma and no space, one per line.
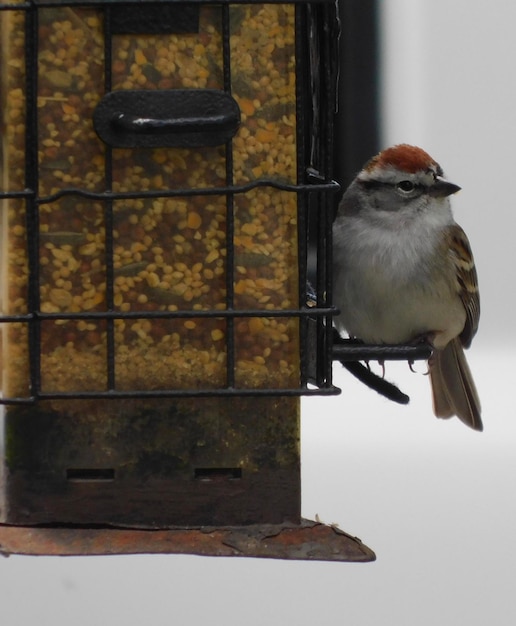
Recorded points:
316,31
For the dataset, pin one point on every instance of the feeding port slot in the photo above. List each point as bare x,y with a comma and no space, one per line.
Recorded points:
218,473
90,474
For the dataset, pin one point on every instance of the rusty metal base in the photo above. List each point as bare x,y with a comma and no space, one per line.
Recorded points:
309,540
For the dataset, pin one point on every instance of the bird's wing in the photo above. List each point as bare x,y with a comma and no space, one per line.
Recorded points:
467,281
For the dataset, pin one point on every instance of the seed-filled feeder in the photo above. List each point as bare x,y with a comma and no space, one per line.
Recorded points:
160,166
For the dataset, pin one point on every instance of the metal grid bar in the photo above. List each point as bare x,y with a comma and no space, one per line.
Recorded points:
331,29
349,350
222,313
302,200
330,187
222,392
32,183
108,213
23,6
6,195
100,3
230,213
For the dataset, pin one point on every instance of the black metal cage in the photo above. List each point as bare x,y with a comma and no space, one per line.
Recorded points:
96,255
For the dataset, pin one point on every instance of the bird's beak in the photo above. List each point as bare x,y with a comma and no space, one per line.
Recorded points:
442,188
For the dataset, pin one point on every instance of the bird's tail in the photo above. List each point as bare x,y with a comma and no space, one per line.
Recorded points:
453,389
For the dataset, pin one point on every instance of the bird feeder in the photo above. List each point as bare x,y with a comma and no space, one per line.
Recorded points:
159,163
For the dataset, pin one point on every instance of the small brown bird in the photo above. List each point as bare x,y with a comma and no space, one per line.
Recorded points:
404,271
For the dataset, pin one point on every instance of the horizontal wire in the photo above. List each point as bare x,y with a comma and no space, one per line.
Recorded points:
187,314
173,393
331,186
100,3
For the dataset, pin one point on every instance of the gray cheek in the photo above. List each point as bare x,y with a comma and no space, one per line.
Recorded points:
387,199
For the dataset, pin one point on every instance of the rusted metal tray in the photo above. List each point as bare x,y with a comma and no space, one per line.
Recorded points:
312,541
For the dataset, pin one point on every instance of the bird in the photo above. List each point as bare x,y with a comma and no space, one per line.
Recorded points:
403,271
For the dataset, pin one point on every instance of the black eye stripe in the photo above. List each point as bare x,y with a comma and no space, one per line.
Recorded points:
376,184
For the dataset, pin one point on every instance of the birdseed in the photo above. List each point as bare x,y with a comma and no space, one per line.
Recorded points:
168,254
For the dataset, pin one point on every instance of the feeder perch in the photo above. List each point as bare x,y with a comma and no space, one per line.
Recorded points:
161,164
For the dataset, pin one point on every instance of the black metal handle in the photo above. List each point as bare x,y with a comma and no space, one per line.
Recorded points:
185,118
194,124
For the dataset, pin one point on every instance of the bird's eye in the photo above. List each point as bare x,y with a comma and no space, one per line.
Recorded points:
406,186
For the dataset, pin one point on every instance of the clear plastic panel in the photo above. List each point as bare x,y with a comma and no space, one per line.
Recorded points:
168,254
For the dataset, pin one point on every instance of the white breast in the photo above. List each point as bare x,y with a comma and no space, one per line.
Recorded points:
388,284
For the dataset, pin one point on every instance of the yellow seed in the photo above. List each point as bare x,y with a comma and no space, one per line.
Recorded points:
87,249
212,256
139,57
240,287
190,324
256,325
153,279
217,334
194,220
246,106
60,297
59,254
179,289
249,229
266,136
88,304
208,274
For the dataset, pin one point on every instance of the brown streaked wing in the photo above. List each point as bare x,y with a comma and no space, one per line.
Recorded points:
467,281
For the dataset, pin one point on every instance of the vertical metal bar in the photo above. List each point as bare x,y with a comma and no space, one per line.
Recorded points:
302,197
32,184
108,212
320,58
331,26
230,211
327,321
322,163
328,27
323,287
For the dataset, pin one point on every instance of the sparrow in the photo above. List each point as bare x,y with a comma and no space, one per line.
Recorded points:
404,271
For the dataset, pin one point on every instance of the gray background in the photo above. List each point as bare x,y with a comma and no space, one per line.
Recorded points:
435,500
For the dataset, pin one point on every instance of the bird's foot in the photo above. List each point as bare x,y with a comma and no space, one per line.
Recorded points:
428,339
